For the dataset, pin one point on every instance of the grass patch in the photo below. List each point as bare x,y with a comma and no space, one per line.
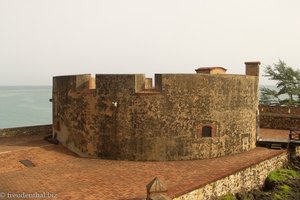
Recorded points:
277,197
278,177
282,192
284,188
282,175
227,196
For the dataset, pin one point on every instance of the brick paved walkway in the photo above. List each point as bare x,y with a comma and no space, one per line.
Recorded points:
70,177
22,142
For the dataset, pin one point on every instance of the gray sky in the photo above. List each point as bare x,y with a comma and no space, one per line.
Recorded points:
43,38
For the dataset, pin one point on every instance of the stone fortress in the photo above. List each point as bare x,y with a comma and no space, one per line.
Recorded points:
182,117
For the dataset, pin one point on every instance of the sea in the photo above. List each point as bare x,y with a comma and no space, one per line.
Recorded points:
25,106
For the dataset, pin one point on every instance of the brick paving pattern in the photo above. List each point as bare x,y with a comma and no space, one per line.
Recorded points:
59,171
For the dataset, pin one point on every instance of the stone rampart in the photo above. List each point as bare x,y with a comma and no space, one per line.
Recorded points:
28,130
279,117
247,179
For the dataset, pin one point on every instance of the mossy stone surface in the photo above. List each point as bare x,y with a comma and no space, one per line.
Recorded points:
278,176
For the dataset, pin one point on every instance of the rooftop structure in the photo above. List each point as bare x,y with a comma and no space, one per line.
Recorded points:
211,70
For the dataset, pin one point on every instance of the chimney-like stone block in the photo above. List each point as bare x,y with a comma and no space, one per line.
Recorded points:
252,68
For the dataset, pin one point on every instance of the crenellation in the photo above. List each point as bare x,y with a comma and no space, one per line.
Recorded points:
139,82
145,85
83,81
72,82
116,84
64,83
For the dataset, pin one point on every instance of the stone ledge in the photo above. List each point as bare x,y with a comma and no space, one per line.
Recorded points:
27,130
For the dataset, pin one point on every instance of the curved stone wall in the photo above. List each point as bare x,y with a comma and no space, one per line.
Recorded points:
121,120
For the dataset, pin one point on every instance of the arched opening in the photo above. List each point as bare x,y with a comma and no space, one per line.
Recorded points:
206,131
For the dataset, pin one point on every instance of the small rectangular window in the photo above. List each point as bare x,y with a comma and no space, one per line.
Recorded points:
206,131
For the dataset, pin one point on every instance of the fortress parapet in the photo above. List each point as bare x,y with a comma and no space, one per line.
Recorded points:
73,82
133,83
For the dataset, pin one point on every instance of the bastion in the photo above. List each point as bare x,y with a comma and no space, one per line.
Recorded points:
207,114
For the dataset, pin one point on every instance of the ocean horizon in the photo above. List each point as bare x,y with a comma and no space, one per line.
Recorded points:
25,106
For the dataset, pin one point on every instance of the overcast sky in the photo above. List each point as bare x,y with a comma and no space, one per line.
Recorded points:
43,38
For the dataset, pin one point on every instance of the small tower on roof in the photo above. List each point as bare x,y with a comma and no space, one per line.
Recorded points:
211,70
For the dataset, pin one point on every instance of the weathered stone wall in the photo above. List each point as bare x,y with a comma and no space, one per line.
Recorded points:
247,179
120,120
279,117
28,130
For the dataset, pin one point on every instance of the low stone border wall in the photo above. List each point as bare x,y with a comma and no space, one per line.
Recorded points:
28,130
247,179
279,121
279,117
291,110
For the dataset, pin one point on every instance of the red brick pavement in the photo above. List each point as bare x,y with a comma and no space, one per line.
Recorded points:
21,142
70,177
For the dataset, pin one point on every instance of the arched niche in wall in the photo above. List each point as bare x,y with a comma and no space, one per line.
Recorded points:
207,129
